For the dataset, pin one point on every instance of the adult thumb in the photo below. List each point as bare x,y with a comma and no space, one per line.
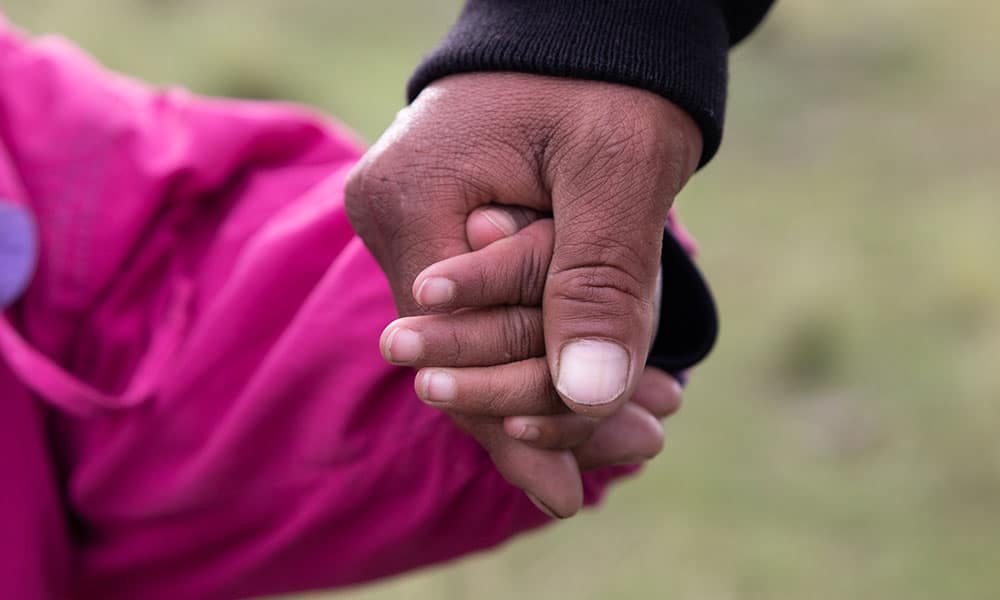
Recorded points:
609,210
598,312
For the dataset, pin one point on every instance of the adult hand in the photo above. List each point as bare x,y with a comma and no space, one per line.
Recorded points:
605,160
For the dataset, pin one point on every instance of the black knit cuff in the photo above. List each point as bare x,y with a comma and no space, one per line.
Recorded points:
689,323
677,49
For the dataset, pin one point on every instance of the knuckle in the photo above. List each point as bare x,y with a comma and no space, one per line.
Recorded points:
533,271
603,284
536,386
493,403
388,189
492,395
456,348
354,202
371,197
517,332
533,338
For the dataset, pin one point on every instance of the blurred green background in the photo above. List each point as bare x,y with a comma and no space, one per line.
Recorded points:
844,439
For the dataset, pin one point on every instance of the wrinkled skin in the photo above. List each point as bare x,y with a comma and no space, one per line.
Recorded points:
605,161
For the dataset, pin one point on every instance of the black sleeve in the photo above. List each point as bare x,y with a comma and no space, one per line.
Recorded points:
675,48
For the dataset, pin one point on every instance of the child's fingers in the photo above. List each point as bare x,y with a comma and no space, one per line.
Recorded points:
513,389
478,338
634,434
493,222
555,432
658,392
631,435
509,271
551,479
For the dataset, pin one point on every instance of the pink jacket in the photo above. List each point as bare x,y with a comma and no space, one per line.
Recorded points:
192,402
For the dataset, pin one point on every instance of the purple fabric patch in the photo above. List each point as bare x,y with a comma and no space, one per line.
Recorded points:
18,245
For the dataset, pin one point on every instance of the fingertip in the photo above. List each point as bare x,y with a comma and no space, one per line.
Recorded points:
521,429
674,398
542,507
431,292
487,225
659,393
383,341
436,386
399,344
552,478
656,438
631,436
491,223
676,387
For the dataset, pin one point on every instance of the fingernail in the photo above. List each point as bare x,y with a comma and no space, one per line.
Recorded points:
541,505
403,345
501,220
435,291
439,387
528,433
592,372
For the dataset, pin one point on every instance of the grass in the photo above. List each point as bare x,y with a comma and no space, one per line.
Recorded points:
842,441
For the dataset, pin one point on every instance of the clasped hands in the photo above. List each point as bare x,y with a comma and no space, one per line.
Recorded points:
519,219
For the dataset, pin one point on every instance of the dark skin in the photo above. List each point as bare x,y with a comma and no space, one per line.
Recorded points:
605,161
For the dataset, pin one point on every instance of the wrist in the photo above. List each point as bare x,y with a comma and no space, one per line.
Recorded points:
676,50
549,119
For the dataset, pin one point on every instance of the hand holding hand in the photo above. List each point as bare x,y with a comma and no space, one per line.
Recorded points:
484,364
604,160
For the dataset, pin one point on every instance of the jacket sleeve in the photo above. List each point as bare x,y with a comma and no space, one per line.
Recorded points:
675,48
